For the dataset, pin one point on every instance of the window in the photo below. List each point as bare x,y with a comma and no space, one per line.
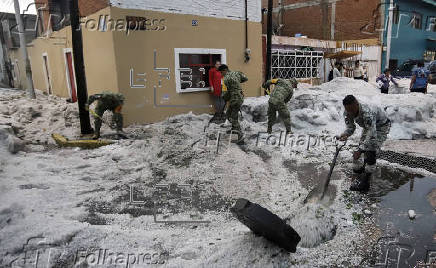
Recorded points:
431,24
416,21
192,67
396,14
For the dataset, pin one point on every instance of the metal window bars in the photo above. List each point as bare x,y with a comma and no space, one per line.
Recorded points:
295,63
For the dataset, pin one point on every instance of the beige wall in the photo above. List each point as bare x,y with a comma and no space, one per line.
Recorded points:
110,55
98,57
54,47
136,51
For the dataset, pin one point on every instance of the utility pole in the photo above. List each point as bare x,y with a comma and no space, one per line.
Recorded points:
389,35
269,41
23,45
79,68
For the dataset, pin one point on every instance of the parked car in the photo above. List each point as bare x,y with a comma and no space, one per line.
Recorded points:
432,68
405,70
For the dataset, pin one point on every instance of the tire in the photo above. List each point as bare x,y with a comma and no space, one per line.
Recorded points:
263,222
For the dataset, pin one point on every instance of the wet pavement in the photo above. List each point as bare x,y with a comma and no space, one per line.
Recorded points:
404,242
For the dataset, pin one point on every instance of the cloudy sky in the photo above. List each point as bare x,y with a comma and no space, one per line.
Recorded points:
8,6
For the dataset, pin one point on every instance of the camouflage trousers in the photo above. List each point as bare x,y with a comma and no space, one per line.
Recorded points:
117,118
283,113
232,114
372,149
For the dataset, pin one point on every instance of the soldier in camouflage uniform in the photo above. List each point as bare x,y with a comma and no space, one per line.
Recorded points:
282,94
234,96
376,126
107,101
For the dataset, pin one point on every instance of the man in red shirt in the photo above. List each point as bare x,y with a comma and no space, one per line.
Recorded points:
215,88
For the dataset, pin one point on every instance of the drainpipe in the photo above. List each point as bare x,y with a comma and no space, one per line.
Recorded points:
332,25
389,36
268,42
281,25
247,50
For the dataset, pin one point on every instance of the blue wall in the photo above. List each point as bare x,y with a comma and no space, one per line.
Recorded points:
407,42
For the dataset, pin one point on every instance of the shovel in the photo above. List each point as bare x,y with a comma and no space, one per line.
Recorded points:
318,193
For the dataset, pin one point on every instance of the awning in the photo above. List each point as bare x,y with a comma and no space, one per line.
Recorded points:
344,54
431,44
430,2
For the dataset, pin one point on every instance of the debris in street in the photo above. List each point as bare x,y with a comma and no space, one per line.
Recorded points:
86,144
412,214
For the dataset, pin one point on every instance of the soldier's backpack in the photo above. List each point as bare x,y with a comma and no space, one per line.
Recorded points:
262,222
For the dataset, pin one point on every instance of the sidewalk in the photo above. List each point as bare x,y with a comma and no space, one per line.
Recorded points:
422,148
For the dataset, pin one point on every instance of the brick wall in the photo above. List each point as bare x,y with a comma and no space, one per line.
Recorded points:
86,7
355,19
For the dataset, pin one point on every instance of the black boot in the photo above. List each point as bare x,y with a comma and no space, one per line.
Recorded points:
361,183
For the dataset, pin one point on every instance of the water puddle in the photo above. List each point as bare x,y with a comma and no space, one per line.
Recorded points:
404,241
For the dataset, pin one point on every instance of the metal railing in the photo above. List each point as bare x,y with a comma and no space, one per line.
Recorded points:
295,63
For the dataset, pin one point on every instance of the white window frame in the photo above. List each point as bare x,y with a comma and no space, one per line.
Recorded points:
70,90
47,75
178,51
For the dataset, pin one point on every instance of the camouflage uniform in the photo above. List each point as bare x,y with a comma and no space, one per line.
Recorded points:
376,126
234,96
282,94
107,101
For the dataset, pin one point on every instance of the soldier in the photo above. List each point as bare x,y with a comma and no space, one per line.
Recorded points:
107,101
234,96
376,128
282,94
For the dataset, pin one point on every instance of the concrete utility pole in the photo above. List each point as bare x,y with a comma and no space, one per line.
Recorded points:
389,35
23,45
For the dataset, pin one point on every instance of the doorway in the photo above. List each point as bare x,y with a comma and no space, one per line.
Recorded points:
71,77
46,69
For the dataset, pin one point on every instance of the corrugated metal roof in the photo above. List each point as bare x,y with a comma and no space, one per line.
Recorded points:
431,2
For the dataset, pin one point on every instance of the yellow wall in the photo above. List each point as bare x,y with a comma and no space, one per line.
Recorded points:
54,47
136,51
98,57
110,55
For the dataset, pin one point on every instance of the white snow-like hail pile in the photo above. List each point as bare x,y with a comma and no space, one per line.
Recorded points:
77,202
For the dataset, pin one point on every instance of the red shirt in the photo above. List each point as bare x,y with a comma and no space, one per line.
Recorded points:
215,81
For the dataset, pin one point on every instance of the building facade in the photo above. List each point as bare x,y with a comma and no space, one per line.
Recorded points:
413,31
12,65
155,55
327,19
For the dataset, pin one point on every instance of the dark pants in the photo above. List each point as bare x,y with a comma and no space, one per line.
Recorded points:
420,90
219,104
384,90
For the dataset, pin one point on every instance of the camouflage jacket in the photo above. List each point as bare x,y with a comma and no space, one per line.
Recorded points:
233,81
283,91
107,99
371,119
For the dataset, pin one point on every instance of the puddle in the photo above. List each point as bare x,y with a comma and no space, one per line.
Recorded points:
404,242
